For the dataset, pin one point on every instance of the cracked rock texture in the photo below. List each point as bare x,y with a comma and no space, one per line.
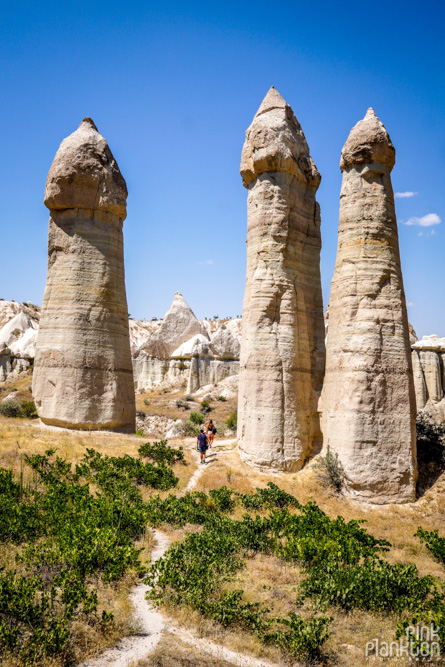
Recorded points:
282,345
368,400
83,374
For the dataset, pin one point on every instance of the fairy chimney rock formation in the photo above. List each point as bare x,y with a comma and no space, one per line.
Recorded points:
282,345
368,399
178,326
82,372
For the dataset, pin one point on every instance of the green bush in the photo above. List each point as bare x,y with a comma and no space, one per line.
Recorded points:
434,543
182,404
205,407
29,410
188,398
196,418
303,637
232,421
10,409
330,471
187,429
161,453
222,399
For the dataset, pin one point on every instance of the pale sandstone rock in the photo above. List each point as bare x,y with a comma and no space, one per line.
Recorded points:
179,325
419,381
368,399
431,353
282,349
432,372
82,373
224,344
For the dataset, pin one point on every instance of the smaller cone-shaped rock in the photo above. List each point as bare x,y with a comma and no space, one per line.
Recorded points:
368,400
82,372
179,325
282,345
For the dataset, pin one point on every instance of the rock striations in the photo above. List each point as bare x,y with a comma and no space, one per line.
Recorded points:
282,346
368,399
83,373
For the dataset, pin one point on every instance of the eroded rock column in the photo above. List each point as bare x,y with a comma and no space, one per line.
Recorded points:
282,347
82,372
368,401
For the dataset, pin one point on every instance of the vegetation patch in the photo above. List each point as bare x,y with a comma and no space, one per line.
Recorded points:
73,528
343,567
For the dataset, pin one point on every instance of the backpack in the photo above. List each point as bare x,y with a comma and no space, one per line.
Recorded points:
214,430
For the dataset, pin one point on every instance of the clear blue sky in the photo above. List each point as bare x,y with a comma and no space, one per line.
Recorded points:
173,86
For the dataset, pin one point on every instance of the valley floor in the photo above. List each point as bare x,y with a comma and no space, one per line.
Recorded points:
187,638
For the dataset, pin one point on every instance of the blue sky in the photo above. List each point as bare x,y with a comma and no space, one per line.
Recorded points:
173,87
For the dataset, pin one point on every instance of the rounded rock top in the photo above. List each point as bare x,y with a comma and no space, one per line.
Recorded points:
368,142
85,175
276,142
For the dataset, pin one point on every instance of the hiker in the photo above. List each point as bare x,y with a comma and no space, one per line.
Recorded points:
201,444
211,430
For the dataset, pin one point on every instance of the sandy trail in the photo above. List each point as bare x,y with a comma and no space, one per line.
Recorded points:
151,622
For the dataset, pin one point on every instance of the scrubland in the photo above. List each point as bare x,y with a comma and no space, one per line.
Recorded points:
261,573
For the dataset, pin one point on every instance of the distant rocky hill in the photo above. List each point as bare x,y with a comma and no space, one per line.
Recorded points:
182,350
179,349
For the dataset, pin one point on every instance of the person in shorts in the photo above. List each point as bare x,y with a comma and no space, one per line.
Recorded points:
201,443
211,430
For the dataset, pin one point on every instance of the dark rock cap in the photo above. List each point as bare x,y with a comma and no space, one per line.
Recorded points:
368,142
84,174
276,142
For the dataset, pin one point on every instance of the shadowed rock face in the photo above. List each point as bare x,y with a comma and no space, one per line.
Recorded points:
83,374
368,396
282,346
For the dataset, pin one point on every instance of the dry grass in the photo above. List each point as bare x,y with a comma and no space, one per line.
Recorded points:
23,436
21,383
162,402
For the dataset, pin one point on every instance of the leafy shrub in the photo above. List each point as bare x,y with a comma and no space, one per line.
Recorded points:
10,408
182,404
272,496
221,398
29,410
223,498
303,638
139,431
146,401
373,585
196,418
188,398
330,471
205,407
434,543
186,429
161,453
232,421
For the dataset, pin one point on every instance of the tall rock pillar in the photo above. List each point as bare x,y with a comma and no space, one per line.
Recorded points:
368,401
282,346
83,375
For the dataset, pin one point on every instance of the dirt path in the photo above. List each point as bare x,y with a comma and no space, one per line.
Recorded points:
151,623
